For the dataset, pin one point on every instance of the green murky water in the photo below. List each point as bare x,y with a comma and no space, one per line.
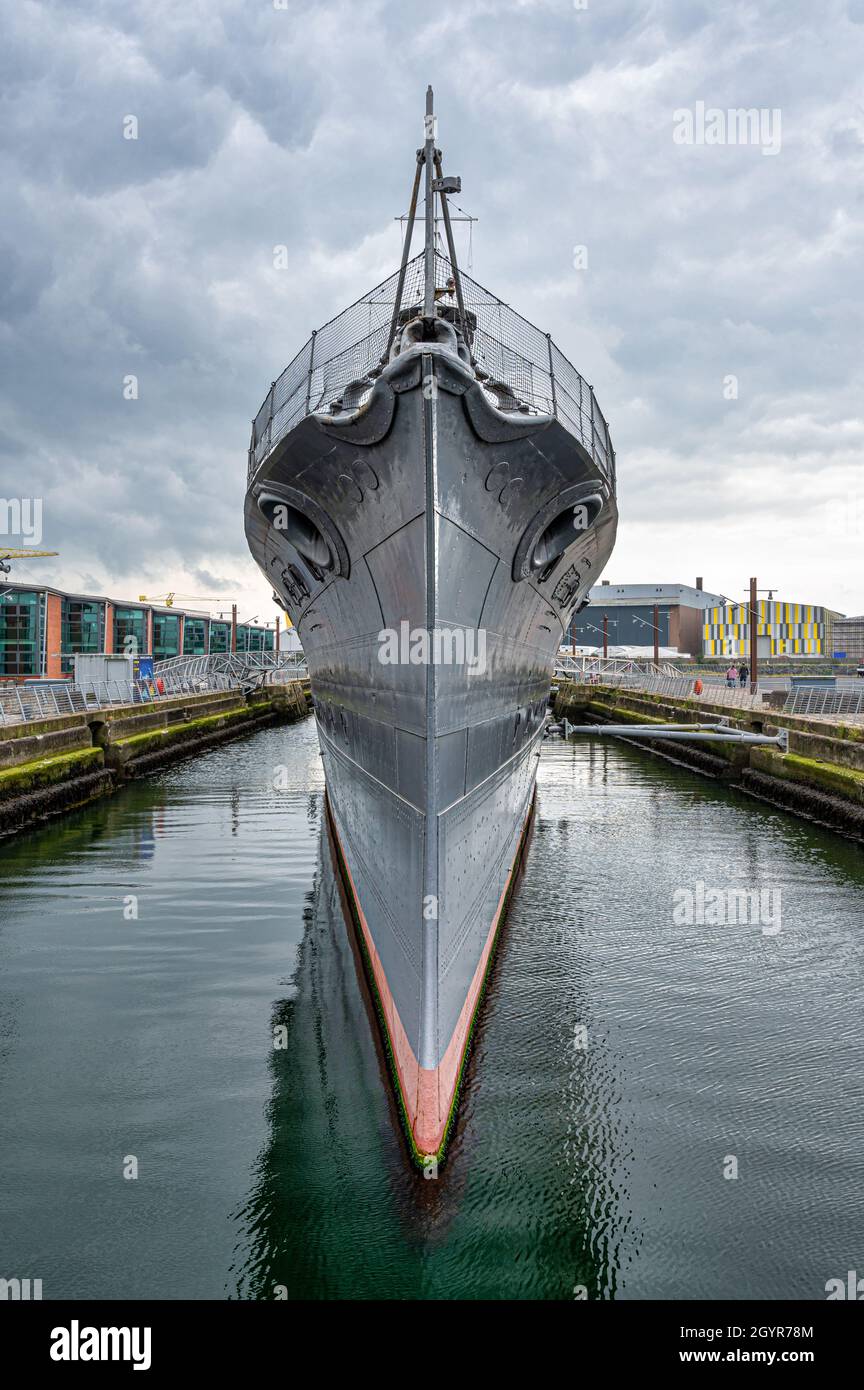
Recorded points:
623,1059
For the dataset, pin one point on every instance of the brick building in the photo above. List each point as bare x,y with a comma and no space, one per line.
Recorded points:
41,628
629,613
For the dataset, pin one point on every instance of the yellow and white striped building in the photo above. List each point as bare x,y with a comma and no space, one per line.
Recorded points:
783,629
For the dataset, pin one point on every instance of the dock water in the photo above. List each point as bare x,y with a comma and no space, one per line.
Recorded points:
220,1036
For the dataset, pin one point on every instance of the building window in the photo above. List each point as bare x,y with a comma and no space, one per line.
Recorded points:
82,630
21,622
254,639
130,631
220,637
195,637
166,635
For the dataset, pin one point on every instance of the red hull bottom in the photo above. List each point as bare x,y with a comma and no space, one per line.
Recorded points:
427,1095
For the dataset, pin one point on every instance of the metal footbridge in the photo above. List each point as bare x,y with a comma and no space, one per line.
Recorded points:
598,668
247,669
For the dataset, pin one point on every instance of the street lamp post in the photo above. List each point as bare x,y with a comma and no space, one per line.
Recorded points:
753,622
604,631
655,626
754,641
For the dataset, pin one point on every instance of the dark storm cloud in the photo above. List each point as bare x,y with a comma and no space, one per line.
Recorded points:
260,127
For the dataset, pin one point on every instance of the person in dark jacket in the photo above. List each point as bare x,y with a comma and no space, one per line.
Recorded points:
743,672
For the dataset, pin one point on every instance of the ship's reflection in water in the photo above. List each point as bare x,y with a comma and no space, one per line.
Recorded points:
335,1206
620,1061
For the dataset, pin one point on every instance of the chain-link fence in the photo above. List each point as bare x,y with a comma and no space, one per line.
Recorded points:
816,704
519,367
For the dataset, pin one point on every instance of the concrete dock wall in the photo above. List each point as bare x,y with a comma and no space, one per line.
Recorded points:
50,766
25,743
821,776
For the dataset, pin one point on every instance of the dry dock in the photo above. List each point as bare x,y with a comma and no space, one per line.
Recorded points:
820,775
48,766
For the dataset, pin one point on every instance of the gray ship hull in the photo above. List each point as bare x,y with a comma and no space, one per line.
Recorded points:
413,541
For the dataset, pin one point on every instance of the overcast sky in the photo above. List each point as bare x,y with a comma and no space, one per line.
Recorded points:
260,126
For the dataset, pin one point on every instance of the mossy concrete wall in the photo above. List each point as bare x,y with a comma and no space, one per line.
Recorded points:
50,766
821,776
124,753
133,719
19,744
45,772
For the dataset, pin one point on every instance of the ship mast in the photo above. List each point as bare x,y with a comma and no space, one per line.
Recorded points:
429,160
406,251
443,187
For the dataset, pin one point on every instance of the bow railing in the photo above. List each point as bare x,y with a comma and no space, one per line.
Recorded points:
518,366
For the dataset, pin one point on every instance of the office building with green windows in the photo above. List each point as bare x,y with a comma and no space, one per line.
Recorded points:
41,630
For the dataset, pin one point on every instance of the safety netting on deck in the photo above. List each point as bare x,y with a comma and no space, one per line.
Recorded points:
521,364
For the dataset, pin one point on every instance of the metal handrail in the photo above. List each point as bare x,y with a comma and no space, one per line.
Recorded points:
178,676
678,686
509,350
813,702
825,703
